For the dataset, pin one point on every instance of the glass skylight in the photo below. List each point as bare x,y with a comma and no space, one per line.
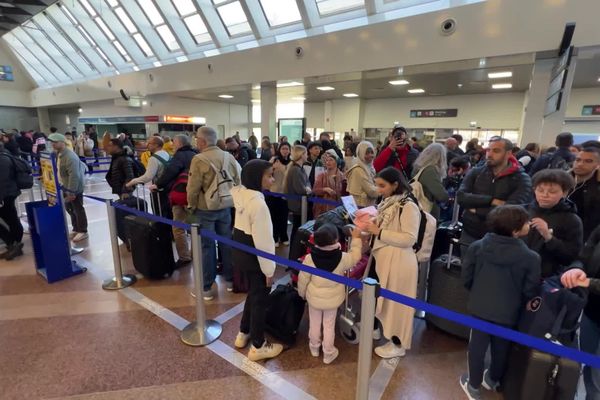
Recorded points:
328,7
197,28
184,7
168,37
151,11
234,18
143,44
129,25
281,12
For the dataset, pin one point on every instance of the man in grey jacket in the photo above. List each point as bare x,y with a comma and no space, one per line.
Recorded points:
71,175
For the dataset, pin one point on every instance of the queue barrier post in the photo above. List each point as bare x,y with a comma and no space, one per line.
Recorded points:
119,281
201,332
304,211
365,347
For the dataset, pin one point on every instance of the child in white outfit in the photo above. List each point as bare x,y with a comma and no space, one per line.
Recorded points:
324,296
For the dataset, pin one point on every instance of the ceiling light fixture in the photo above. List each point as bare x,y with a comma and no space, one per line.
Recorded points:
399,82
299,98
136,68
350,95
325,88
502,86
144,103
498,75
226,96
79,110
157,64
400,71
255,101
416,91
482,62
598,79
289,84
460,85
256,87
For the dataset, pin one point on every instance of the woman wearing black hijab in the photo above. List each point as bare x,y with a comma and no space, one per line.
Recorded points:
253,228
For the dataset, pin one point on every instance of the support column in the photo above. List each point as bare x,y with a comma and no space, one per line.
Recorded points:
268,109
44,119
554,123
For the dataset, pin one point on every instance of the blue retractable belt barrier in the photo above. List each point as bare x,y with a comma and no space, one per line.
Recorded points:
316,200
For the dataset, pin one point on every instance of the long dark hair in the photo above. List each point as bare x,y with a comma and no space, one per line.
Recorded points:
284,160
392,175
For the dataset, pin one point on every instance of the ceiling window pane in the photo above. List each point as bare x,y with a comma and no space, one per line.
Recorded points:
197,28
143,44
69,15
85,34
104,28
234,18
151,11
184,7
327,7
125,20
121,49
113,3
217,2
168,37
88,7
281,12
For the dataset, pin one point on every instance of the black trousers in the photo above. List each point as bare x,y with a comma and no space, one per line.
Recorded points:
10,215
478,345
279,217
296,223
77,213
254,315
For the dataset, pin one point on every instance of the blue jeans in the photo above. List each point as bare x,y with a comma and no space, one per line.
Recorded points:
218,222
590,343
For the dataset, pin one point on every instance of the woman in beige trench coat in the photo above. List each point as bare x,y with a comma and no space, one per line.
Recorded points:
396,229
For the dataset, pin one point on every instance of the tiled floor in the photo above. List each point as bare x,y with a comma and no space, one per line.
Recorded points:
71,339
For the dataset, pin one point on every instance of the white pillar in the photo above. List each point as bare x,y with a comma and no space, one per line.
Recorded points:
268,109
44,119
535,102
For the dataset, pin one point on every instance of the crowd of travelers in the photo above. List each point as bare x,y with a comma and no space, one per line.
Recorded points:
527,215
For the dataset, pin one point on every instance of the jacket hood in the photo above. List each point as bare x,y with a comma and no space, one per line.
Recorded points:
244,197
564,205
326,260
186,148
498,247
252,174
513,168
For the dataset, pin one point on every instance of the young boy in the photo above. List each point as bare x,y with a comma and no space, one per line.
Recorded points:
501,274
325,296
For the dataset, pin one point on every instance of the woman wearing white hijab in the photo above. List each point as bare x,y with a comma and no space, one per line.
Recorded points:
361,176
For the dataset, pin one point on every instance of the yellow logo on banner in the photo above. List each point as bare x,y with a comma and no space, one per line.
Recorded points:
48,180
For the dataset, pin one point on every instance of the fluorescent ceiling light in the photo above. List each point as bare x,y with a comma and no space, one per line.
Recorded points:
350,95
598,79
300,98
226,96
399,82
255,101
144,103
289,84
502,86
460,85
325,88
256,87
416,91
498,75
136,68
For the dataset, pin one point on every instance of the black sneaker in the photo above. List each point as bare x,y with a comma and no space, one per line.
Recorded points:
181,263
15,250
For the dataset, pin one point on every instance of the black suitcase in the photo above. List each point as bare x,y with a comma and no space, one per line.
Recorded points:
151,247
533,375
445,289
131,202
300,243
284,313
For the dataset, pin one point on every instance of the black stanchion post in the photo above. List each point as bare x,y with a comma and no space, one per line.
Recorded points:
201,332
119,281
365,347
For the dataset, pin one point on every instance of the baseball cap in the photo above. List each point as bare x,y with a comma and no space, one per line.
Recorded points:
57,137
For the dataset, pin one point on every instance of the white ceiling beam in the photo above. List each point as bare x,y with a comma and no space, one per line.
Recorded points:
145,27
256,18
213,23
28,59
182,34
308,18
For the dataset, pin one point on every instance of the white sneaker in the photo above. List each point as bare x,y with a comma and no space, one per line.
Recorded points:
267,350
241,340
80,236
390,350
286,243
277,245
314,351
328,358
376,332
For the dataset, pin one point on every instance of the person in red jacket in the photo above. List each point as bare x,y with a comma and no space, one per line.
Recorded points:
398,153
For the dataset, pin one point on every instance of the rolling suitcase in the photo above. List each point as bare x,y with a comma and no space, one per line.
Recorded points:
300,243
151,247
132,202
446,289
534,375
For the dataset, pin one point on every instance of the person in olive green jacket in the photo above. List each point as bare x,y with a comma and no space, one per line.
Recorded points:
432,162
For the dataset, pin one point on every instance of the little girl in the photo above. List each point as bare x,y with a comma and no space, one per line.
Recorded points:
325,296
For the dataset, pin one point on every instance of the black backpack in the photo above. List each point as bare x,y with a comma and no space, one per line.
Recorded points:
558,162
137,167
22,169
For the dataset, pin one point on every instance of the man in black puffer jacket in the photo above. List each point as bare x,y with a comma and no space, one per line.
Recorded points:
501,181
121,169
9,191
180,163
556,231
